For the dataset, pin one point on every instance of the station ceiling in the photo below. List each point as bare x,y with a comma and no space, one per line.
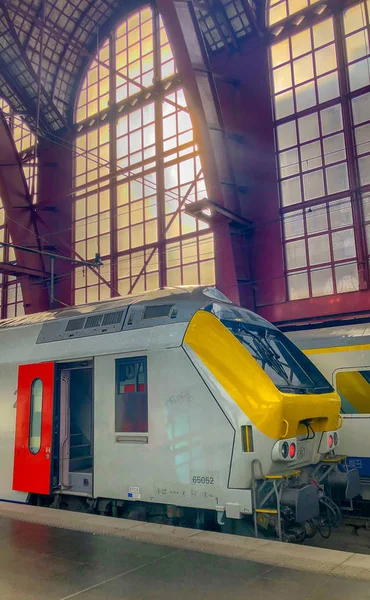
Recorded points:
67,34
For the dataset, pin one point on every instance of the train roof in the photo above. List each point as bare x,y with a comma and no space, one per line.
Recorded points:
159,307
171,294
341,335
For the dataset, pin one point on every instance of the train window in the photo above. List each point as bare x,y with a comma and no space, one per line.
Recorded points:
34,442
289,369
157,311
131,395
354,390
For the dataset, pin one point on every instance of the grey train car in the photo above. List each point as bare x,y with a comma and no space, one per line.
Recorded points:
172,406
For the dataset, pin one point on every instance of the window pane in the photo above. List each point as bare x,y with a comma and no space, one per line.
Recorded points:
296,254
340,213
291,191
361,109
282,78
343,244
316,219
334,149
359,74
331,119
318,249
311,156
35,416
366,207
323,33
346,277
288,163
322,282
303,69
293,224
363,139
354,18
131,396
284,105
313,185
286,135
328,87
305,95
364,167
357,46
298,286
280,53
325,60
301,43
337,178
308,128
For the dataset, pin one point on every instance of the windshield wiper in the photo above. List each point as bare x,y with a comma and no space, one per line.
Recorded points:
321,388
267,354
294,388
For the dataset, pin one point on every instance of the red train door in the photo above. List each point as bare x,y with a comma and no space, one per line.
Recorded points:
34,429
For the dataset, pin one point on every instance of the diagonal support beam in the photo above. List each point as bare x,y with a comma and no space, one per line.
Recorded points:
173,217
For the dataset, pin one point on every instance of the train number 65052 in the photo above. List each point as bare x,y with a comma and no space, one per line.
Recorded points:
204,480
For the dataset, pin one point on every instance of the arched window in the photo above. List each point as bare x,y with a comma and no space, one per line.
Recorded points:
11,300
320,80
137,166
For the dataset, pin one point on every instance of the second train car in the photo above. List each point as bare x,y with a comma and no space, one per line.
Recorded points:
342,353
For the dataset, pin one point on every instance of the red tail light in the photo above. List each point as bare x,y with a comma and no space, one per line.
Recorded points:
292,449
330,441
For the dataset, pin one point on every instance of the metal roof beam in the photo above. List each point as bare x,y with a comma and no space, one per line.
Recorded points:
47,99
257,26
17,271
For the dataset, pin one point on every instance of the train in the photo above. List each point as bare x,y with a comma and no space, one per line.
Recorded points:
173,406
342,353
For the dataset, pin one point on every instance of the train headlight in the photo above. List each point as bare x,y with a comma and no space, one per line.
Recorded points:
285,450
329,441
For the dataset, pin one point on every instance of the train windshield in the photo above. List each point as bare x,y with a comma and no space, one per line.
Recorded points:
289,369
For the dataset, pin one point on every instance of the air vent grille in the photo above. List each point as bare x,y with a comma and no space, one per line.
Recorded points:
113,318
93,321
75,324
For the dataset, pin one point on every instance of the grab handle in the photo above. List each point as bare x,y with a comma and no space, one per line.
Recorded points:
286,428
340,421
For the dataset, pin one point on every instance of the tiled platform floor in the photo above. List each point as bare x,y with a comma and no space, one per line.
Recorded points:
39,561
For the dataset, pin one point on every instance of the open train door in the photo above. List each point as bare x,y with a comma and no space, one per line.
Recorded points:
34,429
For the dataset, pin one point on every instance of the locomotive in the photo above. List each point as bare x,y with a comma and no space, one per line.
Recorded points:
175,406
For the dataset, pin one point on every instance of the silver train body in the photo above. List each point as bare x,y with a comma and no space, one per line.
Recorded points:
164,401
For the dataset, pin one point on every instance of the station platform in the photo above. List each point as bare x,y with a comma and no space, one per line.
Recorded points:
56,555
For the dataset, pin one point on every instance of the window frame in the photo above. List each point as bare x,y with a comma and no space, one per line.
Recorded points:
32,414
340,161
138,437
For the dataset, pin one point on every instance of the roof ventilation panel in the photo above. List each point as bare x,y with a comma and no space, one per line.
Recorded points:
94,321
113,318
94,324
